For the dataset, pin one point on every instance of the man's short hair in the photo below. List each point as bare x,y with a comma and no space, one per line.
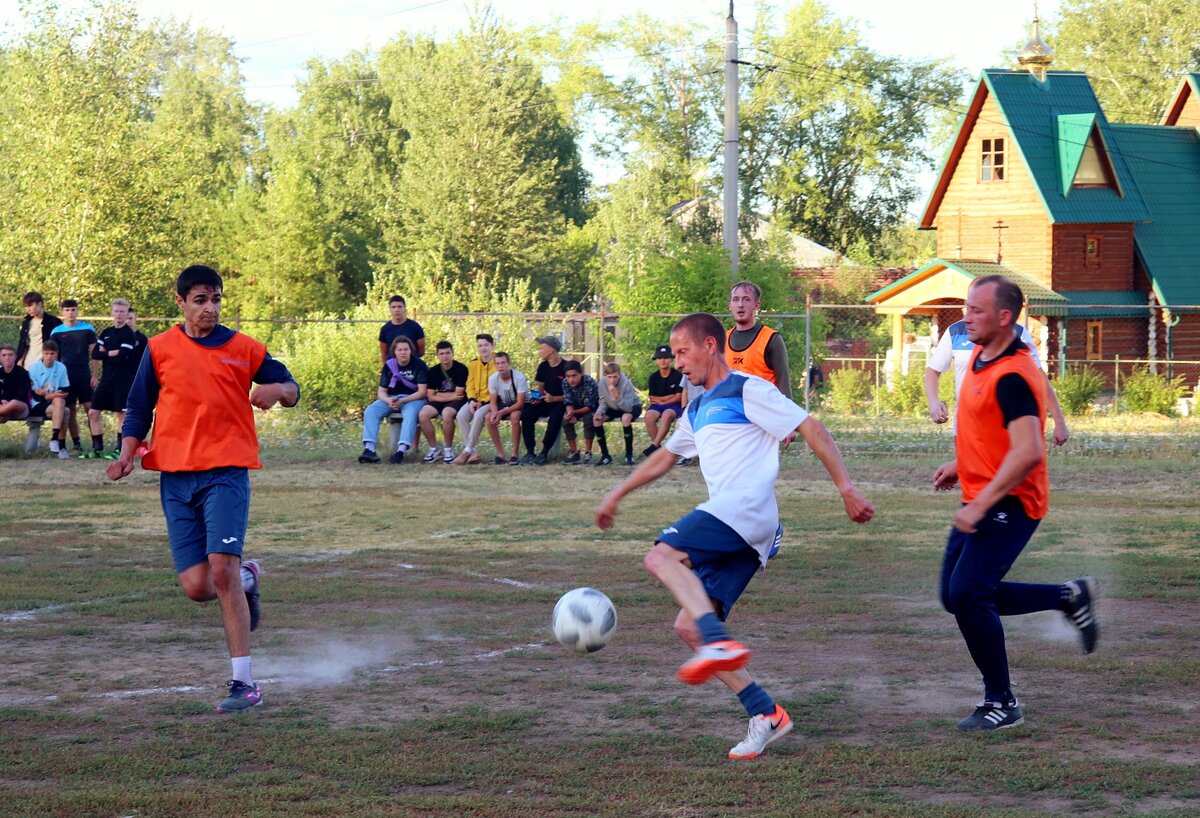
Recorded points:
69,302
573,366
1008,294
119,302
483,336
49,346
403,339
747,285
8,348
197,276
503,355
397,299
444,345
700,326
33,297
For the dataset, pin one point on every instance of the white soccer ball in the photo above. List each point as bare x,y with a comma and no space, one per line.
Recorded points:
584,620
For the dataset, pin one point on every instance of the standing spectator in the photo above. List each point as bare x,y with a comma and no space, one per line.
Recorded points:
506,389
36,327
400,324
474,412
1000,461
15,386
142,340
195,382
752,347
954,349
402,386
545,401
76,341
666,399
117,348
49,380
618,399
447,394
581,396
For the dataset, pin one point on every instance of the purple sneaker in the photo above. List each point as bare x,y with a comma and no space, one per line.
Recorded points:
241,696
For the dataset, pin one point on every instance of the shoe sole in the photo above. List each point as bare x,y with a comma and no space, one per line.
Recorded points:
238,709
362,459
701,672
1093,591
780,731
1016,723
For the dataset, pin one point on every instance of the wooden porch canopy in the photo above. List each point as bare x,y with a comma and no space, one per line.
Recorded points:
941,283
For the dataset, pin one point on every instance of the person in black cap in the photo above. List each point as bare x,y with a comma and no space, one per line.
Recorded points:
544,401
667,399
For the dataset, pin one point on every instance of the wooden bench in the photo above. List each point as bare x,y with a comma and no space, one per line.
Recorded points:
34,439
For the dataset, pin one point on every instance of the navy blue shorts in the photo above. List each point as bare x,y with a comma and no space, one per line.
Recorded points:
677,408
723,561
207,513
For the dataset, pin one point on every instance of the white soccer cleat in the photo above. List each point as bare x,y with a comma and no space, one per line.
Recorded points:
761,732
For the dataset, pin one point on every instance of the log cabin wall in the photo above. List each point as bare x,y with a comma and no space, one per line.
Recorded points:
1108,265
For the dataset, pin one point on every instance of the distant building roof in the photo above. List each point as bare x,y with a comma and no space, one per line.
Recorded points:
803,252
1042,299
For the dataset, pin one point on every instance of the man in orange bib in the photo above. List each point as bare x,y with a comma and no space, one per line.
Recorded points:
751,347
194,384
1000,460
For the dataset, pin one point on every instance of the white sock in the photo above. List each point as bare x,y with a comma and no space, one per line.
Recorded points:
369,445
241,669
468,449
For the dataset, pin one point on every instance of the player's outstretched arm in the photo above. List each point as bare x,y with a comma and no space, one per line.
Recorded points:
652,468
858,507
267,395
938,412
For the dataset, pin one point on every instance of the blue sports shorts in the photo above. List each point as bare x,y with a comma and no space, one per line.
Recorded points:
722,560
207,513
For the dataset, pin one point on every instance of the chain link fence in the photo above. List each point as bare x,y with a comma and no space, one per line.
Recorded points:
843,358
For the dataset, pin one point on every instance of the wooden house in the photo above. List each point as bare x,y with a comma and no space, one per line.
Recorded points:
1099,222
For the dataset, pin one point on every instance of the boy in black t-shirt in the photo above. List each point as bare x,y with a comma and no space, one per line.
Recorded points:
447,394
400,324
119,350
545,401
667,399
15,386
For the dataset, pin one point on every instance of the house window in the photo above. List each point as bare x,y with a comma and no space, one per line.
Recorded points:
1094,169
1095,338
1091,251
992,167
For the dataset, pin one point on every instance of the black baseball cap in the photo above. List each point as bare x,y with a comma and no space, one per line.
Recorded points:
663,351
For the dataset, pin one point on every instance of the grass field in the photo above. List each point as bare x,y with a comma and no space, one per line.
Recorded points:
408,667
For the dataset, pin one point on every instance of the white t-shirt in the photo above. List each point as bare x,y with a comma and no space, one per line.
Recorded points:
735,429
955,348
503,390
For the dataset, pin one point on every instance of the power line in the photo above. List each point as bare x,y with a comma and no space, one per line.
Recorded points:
346,24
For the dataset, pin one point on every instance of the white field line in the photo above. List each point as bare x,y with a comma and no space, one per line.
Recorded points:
34,613
159,691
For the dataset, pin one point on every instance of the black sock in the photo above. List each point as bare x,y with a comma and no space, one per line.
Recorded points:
628,430
78,445
602,439
98,442
56,434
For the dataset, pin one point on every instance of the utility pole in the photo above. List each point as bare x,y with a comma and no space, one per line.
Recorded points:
730,205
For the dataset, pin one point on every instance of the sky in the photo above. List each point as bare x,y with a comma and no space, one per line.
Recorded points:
275,38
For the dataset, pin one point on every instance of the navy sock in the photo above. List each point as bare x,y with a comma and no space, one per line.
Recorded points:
711,629
757,701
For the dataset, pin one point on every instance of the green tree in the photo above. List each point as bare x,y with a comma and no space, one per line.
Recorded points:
490,179
1134,51
835,132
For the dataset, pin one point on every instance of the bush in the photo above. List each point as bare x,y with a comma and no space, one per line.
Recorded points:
906,398
848,390
1145,392
1078,389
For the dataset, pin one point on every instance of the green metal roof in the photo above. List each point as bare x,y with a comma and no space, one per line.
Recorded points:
1166,170
1109,304
1035,112
1036,294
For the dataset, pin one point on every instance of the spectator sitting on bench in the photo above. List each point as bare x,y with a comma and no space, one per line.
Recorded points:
667,399
506,388
50,383
447,394
545,401
618,399
581,396
402,386
14,386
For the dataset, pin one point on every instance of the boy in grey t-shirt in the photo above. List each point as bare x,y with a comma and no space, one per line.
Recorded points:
507,388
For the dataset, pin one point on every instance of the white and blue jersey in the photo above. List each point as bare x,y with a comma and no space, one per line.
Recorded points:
954,348
735,429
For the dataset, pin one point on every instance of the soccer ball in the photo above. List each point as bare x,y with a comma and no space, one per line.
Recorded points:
584,620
